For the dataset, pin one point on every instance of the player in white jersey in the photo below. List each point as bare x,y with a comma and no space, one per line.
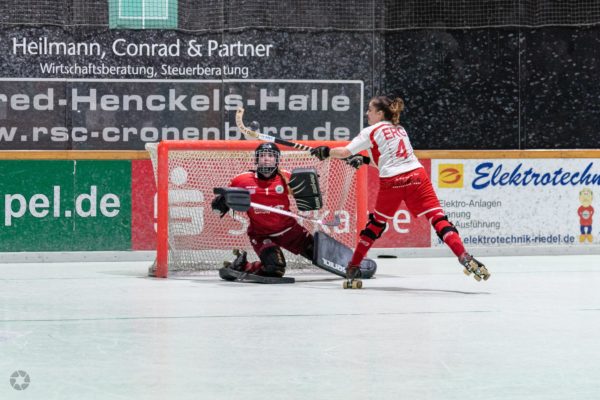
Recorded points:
401,178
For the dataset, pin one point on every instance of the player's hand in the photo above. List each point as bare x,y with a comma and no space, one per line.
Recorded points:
219,205
357,160
321,152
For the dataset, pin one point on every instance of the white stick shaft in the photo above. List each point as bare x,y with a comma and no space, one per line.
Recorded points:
284,212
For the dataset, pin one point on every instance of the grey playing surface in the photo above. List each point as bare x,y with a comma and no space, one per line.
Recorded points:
420,330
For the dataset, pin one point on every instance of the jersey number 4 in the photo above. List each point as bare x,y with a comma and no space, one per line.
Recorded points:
401,152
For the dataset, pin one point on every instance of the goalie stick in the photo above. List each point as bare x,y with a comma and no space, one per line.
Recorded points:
336,219
229,274
239,200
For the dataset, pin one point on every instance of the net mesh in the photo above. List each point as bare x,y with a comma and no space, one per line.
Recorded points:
199,240
355,15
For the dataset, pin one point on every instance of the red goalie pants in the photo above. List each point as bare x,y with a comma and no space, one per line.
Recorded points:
295,239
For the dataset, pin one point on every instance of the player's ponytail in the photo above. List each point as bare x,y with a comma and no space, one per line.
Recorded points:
396,108
391,108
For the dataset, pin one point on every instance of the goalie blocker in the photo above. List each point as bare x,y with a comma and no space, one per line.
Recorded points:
333,256
235,198
304,183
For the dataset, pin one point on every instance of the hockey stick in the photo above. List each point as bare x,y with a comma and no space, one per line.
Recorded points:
239,121
336,220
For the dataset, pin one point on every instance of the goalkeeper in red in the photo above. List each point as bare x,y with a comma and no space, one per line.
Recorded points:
268,232
401,178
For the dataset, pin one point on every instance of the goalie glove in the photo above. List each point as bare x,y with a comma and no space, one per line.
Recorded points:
219,205
356,161
321,152
238,199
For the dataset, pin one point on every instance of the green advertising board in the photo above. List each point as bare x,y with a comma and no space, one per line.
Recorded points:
65,205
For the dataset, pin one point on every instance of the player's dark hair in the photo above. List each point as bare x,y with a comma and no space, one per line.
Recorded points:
391,108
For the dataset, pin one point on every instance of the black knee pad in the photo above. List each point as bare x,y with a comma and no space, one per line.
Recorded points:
374,228
309,249
442,226
273,261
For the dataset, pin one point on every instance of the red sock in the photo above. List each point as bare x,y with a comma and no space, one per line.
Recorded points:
450,236
453,240
372,232
362,247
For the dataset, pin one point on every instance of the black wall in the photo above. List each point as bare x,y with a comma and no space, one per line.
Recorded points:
495,88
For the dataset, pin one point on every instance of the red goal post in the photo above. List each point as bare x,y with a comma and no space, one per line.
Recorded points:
190,237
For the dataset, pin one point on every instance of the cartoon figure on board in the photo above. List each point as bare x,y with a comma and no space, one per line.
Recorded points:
585,212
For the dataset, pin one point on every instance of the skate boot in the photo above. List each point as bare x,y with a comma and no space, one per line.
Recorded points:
353,275
473,266
238,264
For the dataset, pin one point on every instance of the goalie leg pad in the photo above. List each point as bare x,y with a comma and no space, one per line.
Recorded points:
237,199
333,256
304,184
273,261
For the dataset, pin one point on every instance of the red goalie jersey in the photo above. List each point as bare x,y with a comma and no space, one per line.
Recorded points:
271,192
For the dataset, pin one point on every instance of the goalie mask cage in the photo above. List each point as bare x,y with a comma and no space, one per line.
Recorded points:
191,238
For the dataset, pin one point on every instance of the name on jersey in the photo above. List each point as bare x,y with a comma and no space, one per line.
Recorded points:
392,132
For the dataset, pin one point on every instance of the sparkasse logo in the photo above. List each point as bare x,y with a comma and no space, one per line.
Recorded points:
450,175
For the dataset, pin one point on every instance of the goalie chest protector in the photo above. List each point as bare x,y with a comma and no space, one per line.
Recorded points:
304,183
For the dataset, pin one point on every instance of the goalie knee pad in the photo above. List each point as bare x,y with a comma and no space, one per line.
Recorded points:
309,249
273,261
442,226
374,228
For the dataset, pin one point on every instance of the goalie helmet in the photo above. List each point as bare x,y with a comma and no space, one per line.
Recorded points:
266,158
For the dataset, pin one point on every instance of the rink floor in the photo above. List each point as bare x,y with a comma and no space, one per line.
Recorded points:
421,330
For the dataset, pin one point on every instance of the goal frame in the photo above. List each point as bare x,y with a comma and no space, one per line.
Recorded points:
162,183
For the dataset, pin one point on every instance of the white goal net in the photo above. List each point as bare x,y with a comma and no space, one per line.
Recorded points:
199,240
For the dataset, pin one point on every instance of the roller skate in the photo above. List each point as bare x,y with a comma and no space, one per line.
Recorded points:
473,266
238,264
353,275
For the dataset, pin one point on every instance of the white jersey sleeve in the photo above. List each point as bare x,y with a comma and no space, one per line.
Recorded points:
361,142
389,147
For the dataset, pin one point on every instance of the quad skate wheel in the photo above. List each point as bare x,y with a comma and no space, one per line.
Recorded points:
486,276
467,272
477,277
356,284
